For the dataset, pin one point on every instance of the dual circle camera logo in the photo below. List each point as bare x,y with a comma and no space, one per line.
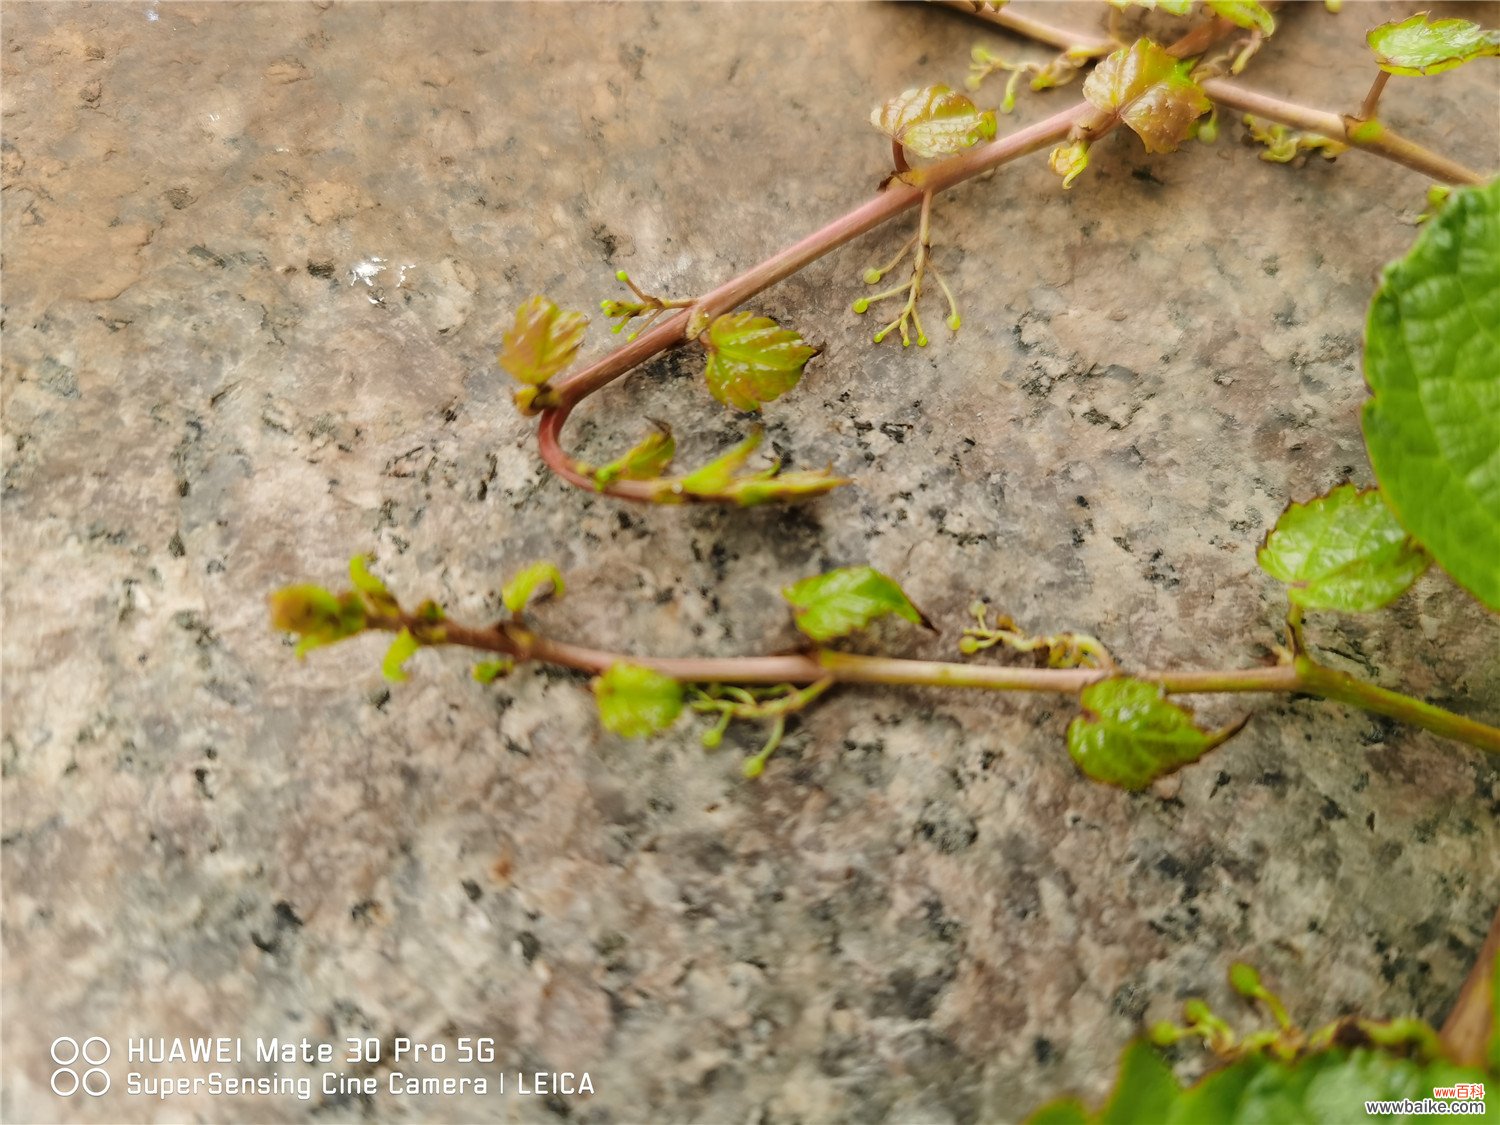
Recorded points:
71,1056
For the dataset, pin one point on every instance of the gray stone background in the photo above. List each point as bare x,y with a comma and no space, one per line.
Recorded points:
922,912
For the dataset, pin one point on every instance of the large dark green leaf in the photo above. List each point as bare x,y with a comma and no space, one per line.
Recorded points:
1326,1088
1432,359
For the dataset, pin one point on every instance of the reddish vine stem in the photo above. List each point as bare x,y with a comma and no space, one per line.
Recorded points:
1466,1031
898,197
1062,38
1302,674
902,193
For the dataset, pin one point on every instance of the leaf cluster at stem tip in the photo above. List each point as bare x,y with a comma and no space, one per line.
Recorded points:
1280,1073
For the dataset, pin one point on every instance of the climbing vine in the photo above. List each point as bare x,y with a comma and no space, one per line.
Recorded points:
1431,425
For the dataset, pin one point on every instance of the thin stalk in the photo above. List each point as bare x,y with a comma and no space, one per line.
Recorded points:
1368,135
1367,107
1302,675
1061,37
898,156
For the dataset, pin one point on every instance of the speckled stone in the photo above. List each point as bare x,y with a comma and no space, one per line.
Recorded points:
258,259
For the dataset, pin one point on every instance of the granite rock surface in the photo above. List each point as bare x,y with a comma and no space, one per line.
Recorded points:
257,263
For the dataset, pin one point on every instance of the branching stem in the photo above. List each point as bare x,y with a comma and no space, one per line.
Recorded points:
556,401
1302,675
1368,135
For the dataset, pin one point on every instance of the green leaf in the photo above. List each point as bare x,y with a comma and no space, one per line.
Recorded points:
635,701
1245,13
401,650
1493,1053
1416,47
1064,1111
752,359
837,603
714,477
1432,360
1317,1088
316,616
1144,1090
644,461
933,121
762,488
377,596
1150,91
721,480
522,589
1131,734
488,671
543,342
1342,551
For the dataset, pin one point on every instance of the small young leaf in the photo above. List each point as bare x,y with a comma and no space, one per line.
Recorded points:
377,596
543,342
1248,14
400,651
1131,734
644,461
1342,551
635,701
1069,161
316,616
1432,359
752,359
747,492
1150,91
837,603
488,671
714,477
522,589
933,121
1416,47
